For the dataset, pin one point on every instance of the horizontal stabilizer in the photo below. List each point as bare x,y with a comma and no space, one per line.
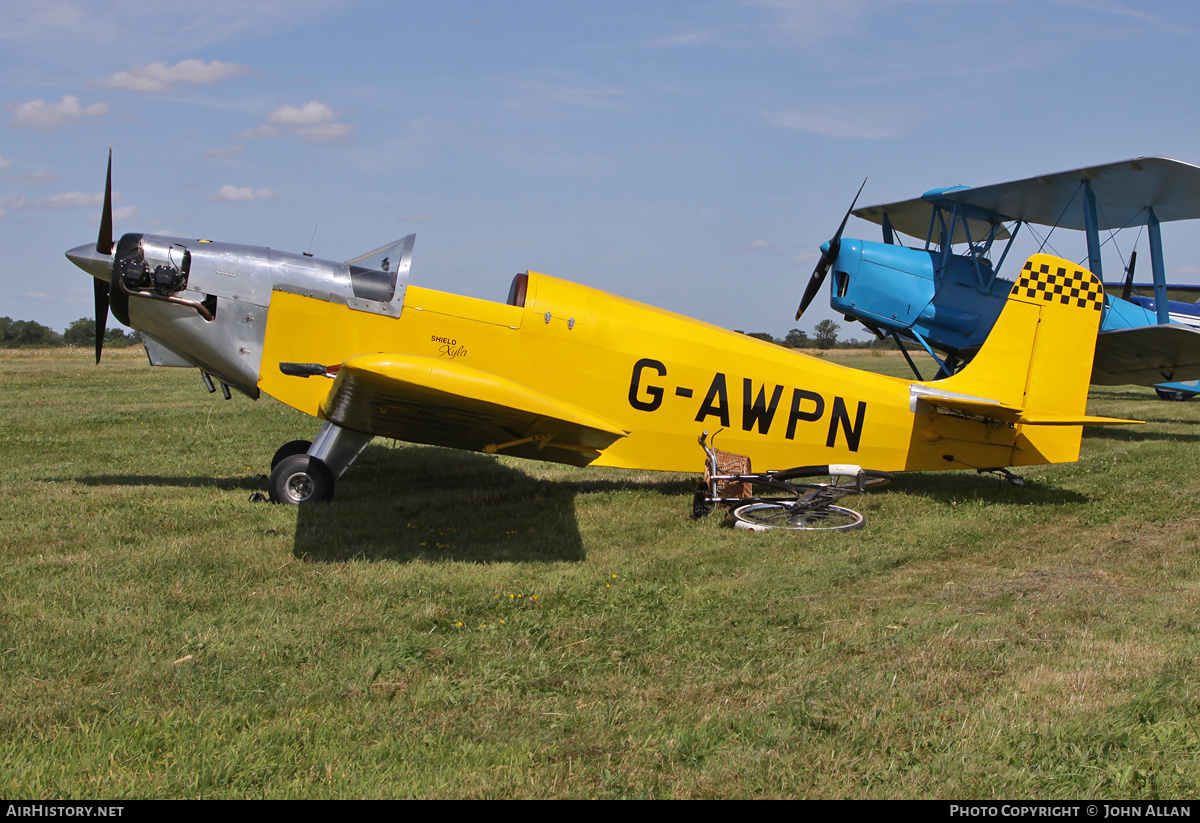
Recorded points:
1003,413
1147,355
427,400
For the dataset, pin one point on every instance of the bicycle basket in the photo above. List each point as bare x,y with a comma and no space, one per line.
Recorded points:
729,463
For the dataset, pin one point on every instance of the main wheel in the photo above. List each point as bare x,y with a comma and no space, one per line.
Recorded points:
300,480
288,449
765,515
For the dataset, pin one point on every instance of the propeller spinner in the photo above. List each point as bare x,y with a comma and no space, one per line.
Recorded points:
828,255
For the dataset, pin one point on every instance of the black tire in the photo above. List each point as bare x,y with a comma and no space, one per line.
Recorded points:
300,480
288,449
701,505
763,515
871,479
1171,394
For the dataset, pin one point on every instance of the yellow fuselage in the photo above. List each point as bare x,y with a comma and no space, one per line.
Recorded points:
661,376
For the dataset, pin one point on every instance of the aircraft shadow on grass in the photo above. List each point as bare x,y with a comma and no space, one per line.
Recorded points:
445,505
226,483
437,504
992,488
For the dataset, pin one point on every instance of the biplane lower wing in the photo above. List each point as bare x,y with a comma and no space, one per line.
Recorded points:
425,400
1147,355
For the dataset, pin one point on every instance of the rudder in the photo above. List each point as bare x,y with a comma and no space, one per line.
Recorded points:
1038,357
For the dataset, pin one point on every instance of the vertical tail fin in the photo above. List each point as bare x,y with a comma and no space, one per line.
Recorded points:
1037,360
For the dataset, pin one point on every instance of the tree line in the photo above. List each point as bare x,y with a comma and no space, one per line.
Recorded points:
825,336
17,334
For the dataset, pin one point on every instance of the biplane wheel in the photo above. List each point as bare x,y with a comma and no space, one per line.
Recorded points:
765,515
1169,394
300,480
288,449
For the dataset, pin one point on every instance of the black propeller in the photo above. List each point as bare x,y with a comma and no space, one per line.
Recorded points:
1125,292
103,246
827,258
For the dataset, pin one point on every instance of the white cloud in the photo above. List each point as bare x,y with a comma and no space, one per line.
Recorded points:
43,116
259,132
236,194
65,200
161,77
314,122
226,153
4,162
310,114
123,213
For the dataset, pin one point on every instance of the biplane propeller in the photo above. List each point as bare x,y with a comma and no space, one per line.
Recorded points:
829,253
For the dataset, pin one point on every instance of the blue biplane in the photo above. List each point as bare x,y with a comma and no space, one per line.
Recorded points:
946,300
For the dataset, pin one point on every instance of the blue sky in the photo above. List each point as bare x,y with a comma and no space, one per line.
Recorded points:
692,155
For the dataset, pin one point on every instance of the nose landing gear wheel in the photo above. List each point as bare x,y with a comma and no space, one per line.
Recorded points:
300,480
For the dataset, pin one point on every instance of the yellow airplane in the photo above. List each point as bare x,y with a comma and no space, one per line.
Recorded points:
570,374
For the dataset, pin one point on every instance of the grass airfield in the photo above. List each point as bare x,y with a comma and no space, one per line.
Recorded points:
457,625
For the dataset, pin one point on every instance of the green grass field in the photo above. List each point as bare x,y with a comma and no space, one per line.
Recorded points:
457,625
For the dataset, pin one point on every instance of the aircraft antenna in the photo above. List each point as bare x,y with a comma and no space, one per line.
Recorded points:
312,239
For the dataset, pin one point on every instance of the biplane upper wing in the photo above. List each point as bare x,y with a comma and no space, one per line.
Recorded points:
1125,189
426,400
1147,355
912,217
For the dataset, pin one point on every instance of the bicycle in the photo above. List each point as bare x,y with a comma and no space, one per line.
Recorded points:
729,482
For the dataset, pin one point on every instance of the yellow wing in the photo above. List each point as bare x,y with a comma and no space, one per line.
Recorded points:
427,400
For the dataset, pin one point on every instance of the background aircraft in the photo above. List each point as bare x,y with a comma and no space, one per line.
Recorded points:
571,374
946,301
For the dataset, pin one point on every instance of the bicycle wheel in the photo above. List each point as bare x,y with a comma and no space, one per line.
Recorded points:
763,515
871,479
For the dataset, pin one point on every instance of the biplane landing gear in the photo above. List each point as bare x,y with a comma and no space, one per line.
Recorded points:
299,480
304,473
